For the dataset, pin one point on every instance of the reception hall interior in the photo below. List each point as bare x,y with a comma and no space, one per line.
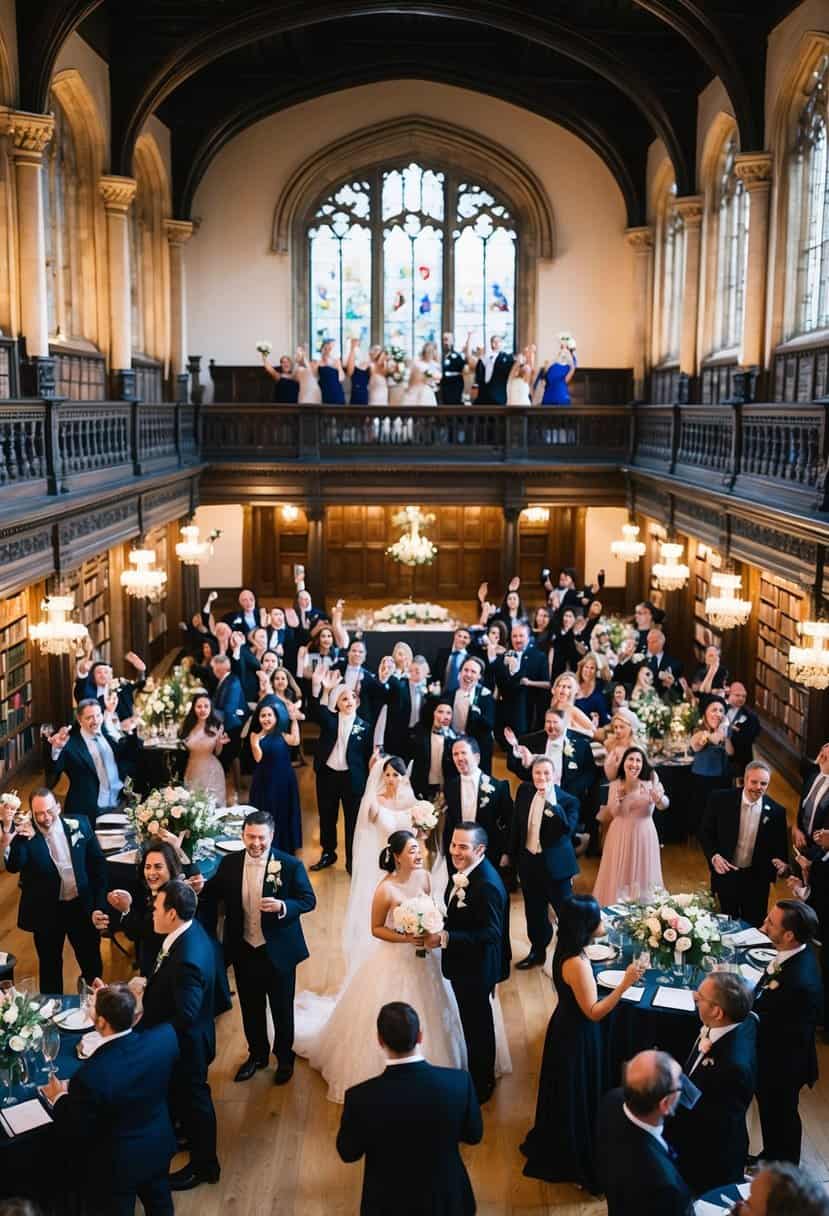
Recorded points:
459,331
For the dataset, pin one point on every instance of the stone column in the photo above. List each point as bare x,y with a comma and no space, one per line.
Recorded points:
640,241
509,543
691,209
118,194
315,560
30,135
178,234
754,169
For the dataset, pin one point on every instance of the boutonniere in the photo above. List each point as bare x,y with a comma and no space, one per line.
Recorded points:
572,764
358,730
765,819
774,968
74,828
637,658
568,749
460,882
486,788
273,874
548,811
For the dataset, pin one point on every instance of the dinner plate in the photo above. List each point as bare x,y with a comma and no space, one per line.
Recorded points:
73,1019
761,955
610,979
599,952
230,846
113,819
111,842
619,909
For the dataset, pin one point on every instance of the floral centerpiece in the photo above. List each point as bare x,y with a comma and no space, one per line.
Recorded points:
654,715
167,702
189,814
618,630
679,928
404,614
684,719
417,916
22,1018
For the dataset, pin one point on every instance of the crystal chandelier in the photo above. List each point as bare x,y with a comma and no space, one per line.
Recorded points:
669,572
144,580
536,515
727,610
629,549
193,551
412,549
809,665
58,634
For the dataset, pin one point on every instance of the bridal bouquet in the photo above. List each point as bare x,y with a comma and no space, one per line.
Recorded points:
654,715
264,348
417,916
396,365
188,814
424,816
618,630
680,928
567,340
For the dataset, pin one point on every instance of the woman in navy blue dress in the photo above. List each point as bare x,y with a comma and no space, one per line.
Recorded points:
286,387
274,786
557,376
359,376
331,375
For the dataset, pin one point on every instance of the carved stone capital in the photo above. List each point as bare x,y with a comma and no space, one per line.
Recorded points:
30,133
179,231
691,208
117,192
639,239
755,169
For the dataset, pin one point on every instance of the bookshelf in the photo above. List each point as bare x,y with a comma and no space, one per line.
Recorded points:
157,612
781,702
17,734
90,587
702,567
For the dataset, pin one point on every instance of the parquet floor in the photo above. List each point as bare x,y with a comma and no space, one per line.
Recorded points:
277,1145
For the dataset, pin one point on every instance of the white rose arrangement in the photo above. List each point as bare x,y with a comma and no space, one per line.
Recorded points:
188,814
22,1019
264,347
677,927
424,816
168,702
417,916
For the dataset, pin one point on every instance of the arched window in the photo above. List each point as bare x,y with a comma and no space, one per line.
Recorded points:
61,205
673,276
731,202
810,198
402,253
149,253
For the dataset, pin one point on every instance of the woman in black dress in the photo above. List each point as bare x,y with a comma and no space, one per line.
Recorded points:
561,1146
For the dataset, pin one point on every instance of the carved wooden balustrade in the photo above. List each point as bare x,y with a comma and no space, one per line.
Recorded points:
22,443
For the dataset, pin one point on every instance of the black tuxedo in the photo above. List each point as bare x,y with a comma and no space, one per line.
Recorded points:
231,706
473,962
180,991
451,384
287,639
371,694
494,390
662,663
435,1108
711,1139
265,973
578,771
115,1124
50,919
743,893
636,1172
422,755
244,669
788,1005
742,732
480,721
86,689
398,739
516,703
494,812
75,760
334,787
236,619
810,817
445,675
546,877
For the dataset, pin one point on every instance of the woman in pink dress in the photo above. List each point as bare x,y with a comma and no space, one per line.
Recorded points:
630,867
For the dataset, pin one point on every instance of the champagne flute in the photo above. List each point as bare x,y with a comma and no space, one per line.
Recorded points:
50,1048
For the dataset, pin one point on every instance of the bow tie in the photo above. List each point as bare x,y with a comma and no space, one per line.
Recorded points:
439,730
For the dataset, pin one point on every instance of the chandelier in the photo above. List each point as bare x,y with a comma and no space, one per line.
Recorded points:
536,515
58,634
144,580
193,551
412,549
629,549
670,574
809,665
727,610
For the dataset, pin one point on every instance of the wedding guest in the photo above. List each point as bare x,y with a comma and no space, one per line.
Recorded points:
341,768
448,662
274,788
743,835
570,754
473,709
591,699
563,651
564,692
123,731
561,1145
711,768
244,662
329,372
666,670
472,796
112,1117
742,724
518,673
646,617
306,374
93,680
371,692
788,1001
711,677
624,729
321,652
557,376
711,1138
511,610
358,372
491,373
180,992
288,695
409,697
230,706
411,1101
452,369
432,741
780,1189
246,616
540,624
264,892
490,645
63,879
93,761
642,686
286,385
633,1159
282,636
520,379
203,735
541,850
631,867
813,810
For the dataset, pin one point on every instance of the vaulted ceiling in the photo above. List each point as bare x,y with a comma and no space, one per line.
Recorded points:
617,73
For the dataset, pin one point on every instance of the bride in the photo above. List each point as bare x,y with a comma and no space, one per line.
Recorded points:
338,1036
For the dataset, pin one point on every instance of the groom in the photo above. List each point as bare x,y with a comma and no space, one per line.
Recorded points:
472,946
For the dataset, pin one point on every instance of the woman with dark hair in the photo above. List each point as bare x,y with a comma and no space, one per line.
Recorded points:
274,786
204,736
542,632
711,678
591,699
563,652
631,867
160,862
561,1147
491,643
711,766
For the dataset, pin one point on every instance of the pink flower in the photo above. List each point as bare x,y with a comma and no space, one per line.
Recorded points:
177,811
153,827
170,795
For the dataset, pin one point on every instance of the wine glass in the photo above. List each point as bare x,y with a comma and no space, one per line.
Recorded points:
6,1068
87,997
50,1048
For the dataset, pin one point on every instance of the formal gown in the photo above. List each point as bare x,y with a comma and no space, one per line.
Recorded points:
378,389
338,1035
561,1146
630,867
518,392
556,391
204,772
274,789
359,386
420,394
309,388
286,391
331,386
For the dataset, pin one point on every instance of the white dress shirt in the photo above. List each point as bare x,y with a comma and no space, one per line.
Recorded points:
106,767
490,364
784,955
655,1131
554,752
416,695
712,1033
414,1058
460,710
750,813
436,758
820,787
253,876
57,842
353,675
338,759
469,797
172,937
533,844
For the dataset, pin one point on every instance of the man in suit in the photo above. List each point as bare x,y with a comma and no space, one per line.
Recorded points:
517,673
411,1102
452,369
781,1189
473,708
742,726
113,1115
449,661
491,374
409,697
813,811
744,837
472,944
63,880
92,759
282,639
711,1137
264,892
245,617
243,664
788,1001
371,692
432,741
94,679
472,796
180,991
666,671
811,835
569,752
543,824
340,765
231,706
634,1160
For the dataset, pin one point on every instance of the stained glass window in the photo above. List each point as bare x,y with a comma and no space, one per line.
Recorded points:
484,268
673,276
732,252
413,209
811,196
340,241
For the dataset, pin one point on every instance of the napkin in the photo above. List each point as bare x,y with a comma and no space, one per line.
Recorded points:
675,998
4,958
25,1116
128,858
703,1208
747,937
633,994
752,974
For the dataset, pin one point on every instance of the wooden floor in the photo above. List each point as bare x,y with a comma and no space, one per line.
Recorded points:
276,1145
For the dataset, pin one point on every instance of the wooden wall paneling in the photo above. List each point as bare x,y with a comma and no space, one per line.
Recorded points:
291,549
175,599
118,608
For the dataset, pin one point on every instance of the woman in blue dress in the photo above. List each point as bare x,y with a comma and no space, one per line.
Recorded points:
358,375
330,375
274,786
557,376
286,387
